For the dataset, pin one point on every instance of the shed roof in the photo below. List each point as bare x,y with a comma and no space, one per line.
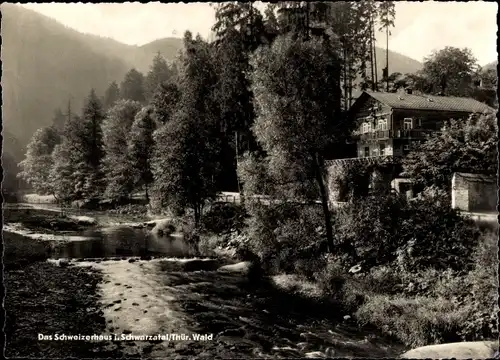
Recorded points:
429,102
476,177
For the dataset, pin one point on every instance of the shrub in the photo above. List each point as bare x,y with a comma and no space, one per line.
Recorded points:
369,229
286,237
437,236
417,235
384,280
483,285
343,288
223,218
416,321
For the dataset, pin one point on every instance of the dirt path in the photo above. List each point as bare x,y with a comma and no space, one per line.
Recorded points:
189,296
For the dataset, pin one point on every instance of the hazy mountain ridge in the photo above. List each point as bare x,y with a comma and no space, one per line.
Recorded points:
45,64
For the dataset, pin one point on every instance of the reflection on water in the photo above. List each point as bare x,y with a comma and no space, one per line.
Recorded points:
123,241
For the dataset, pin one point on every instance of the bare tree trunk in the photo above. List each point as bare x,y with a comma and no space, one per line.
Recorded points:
387,55
196,215
346,105
324,203
375,56
237,161
371,59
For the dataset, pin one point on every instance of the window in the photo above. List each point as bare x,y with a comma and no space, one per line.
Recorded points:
382,124
382,149
408,124
406,147
367,151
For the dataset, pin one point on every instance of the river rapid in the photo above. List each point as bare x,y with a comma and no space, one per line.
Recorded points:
157,286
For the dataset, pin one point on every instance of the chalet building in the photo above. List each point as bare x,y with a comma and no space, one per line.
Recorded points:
390,123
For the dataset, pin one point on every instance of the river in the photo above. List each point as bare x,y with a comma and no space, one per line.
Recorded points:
156,285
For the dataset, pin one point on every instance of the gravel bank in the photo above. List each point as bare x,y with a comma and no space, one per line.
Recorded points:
46,299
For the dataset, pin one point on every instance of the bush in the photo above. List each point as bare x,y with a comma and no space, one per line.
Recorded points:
349,291
287,237
368,230
416,321
436,306
483,286
417,234
224,218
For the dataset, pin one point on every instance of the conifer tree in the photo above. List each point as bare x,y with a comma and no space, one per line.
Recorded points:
111,96
132,86
158,74
116,164
140,148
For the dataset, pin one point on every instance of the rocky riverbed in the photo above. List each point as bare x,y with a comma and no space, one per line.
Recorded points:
155,293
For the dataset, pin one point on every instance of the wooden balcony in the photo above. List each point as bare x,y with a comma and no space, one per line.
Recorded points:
375,135
411,134
366,160
392,134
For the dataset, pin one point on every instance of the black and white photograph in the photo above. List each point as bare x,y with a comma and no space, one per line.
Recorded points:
250,180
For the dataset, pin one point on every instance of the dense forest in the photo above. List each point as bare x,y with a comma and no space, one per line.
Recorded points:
35,81
181,131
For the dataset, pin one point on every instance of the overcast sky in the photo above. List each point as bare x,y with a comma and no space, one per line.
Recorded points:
419,29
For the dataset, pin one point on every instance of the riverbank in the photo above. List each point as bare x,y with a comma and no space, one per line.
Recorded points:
42,298
453,299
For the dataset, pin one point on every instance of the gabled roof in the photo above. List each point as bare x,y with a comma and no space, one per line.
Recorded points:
428,102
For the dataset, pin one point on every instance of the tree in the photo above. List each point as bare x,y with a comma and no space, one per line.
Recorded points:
38,162
58,120
67,159
243,18
116,163
485,87
165,101
112,95
462,146
158,74
132,86
240,30
450,71
141,146
387,14
349,26
297,94
63,175
77,172
185,163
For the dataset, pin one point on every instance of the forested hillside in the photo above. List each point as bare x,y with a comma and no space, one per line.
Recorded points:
45,64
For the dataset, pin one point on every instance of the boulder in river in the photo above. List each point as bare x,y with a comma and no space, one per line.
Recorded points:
460,350
163,227
315,355
241,267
